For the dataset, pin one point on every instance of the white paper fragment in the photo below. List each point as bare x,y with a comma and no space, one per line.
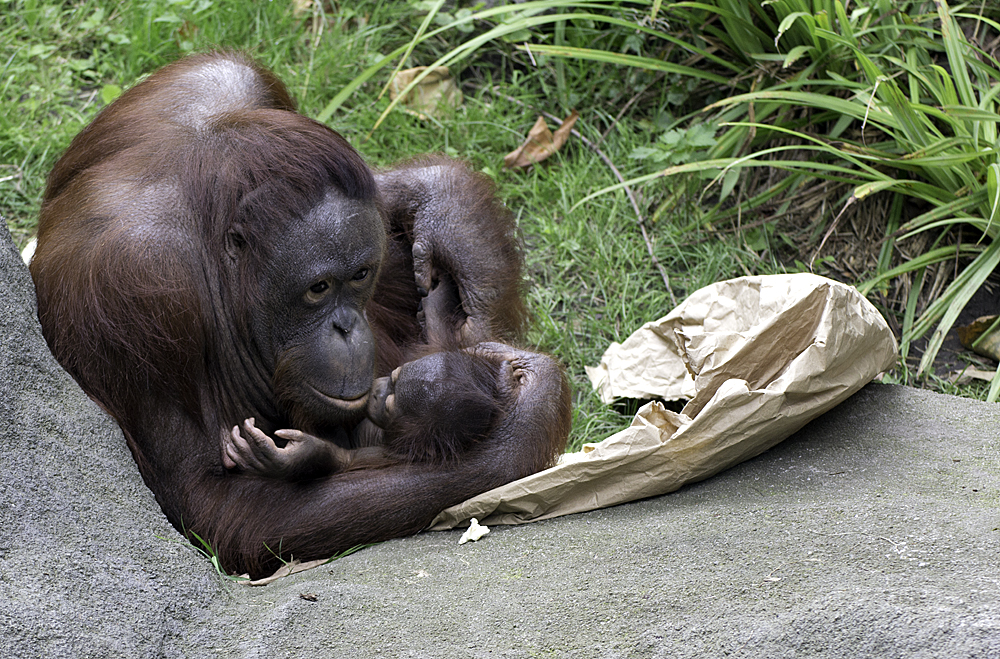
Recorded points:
29,250
474,532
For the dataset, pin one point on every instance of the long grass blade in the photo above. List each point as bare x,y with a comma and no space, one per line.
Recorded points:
648,63
994,392
953,300
955,47
847,107
938,255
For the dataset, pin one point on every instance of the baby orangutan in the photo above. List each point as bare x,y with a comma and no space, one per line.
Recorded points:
446,408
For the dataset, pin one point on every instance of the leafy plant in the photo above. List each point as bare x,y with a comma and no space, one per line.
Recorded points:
678,145
922,103
931,127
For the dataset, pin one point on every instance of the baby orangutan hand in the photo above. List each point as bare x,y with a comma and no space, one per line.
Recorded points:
303,457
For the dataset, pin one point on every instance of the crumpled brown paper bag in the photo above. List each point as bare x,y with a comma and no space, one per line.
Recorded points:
758,357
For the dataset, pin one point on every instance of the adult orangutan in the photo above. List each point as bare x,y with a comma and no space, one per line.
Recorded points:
206,255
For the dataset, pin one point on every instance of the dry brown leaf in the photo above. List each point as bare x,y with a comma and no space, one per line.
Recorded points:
291,567
541,143
989,345
431,96
969,374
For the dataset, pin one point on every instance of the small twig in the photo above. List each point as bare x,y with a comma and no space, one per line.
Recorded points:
90,99
829,232
527,49
621,179
17,176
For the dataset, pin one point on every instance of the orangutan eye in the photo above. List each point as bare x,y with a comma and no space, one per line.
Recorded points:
360,275
319,288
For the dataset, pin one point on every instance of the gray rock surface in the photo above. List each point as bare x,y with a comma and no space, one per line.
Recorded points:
873,532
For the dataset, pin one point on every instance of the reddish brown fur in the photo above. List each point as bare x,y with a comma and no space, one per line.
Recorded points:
478,200
137,303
